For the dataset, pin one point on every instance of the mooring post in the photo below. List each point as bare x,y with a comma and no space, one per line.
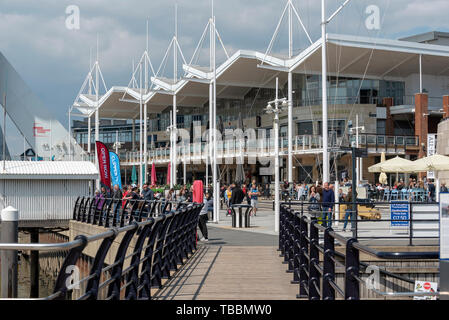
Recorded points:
34,265
9,234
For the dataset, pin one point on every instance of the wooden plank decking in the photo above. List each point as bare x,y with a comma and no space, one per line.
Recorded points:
231,273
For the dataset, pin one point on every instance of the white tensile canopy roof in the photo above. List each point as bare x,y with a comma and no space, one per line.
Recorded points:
354,56
374,58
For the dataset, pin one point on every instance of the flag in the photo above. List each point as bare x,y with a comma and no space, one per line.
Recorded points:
153,175
134,175
115,169
104,165
168,173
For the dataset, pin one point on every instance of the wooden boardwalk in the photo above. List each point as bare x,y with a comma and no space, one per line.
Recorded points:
219,272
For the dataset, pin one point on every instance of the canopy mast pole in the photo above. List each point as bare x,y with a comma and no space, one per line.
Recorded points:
214,172
290,95
324,93
145,117
175,77
97,117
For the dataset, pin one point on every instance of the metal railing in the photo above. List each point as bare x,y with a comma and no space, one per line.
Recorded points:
309,249
117,212
366,221
162,243
265,147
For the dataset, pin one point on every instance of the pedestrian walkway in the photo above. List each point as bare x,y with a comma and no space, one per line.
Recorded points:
233,265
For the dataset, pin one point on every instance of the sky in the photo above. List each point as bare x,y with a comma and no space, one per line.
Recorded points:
54,60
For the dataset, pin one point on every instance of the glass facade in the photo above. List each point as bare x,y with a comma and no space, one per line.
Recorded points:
108,136
344,90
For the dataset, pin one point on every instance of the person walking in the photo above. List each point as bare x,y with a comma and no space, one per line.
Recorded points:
254,194
147,194
327,205
99,203
228,195
349,214
116,198
237,196
204,218
314,199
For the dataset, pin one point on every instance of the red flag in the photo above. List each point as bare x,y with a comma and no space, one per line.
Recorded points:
153,175
104,165
169,173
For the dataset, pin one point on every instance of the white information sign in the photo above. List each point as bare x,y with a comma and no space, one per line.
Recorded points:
425,286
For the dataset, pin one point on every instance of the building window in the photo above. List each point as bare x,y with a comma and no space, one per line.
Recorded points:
305,128
381,127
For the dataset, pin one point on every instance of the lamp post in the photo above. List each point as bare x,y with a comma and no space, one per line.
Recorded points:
171,129
280,105
359,160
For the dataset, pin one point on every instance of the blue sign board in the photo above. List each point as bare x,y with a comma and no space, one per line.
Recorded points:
400,214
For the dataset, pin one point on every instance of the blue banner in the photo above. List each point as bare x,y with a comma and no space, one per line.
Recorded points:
115,170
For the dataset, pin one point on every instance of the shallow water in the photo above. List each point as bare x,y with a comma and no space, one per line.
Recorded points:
46,280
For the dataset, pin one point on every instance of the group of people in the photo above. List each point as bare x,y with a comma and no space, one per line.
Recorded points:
133,192
237,194
426,187
150,192
321,200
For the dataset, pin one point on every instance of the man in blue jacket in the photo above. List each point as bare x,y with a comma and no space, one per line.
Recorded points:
327,205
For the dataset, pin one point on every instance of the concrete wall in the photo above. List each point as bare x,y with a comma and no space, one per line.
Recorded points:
82,228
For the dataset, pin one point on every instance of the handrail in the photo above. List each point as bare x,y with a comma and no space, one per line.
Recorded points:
162,243
300,245
396,255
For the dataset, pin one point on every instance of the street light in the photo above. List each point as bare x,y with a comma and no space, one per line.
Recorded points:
276,107
359,160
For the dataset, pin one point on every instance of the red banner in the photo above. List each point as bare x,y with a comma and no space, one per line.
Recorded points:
104,165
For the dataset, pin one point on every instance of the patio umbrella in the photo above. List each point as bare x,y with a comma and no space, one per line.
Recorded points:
240,174
383,179
153,174
168,173
394,165
436,163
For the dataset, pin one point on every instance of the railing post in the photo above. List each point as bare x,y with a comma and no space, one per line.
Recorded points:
314,254
291,241
8,258
296,248
303,259
328,266
352,286
281,230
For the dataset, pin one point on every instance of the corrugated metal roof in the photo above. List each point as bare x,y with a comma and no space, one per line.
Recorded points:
48,170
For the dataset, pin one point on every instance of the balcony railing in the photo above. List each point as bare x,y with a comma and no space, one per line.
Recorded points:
265,147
